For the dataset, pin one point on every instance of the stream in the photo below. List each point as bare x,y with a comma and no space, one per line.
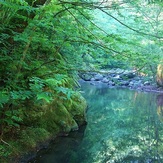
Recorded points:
124,126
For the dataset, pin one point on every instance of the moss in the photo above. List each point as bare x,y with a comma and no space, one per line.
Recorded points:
27,140
43,124
65,115
77,109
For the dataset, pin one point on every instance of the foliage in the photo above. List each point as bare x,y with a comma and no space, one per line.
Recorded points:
36,69
45,43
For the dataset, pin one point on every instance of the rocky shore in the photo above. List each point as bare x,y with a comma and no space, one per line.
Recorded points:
122,78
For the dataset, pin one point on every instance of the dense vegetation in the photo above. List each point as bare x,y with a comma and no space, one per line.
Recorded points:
45,43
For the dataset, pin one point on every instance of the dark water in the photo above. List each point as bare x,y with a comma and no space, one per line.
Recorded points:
123,126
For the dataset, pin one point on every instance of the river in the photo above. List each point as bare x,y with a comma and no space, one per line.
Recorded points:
124,126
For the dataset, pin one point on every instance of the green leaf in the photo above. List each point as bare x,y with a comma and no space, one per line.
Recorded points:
44,96
21,95
17,119
66,91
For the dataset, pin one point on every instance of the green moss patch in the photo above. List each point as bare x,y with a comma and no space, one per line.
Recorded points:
42,125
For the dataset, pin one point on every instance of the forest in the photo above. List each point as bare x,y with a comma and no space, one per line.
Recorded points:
45,46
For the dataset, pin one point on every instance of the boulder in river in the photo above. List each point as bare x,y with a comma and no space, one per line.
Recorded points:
128,74
98,77
86,76
105,80
124,78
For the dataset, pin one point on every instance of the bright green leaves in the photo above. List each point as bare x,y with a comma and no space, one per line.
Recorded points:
44,96
40,89
65,91
48,89
14,9
21,95
59,84
37,86
59,79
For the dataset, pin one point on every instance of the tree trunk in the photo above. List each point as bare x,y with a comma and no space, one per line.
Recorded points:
159,78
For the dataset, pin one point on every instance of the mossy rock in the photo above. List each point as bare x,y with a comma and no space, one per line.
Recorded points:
62,115
58,120
160,75
78,108
41,124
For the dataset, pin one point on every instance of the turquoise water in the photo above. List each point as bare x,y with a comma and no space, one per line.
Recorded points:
123,126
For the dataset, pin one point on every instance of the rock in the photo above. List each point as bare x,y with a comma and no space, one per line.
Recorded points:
131,83
105,80
137,84
124,78
119,71
98,77
125,83
86,77
112,71
131,75
146,83
116,77
111,83
92,79
128,74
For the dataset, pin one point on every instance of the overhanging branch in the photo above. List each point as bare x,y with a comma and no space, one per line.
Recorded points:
143,33
96,5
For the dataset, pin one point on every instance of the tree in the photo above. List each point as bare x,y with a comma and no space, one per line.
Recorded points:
44,43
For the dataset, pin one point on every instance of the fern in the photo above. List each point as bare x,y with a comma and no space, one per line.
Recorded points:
21,95
36,84
65,91
47,96
57,80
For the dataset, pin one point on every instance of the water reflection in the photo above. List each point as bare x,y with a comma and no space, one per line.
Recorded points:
160,106
123,126
129,128
62,150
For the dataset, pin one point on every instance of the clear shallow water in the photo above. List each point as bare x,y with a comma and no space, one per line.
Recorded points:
123,126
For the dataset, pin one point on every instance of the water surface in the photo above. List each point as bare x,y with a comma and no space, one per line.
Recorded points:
123,126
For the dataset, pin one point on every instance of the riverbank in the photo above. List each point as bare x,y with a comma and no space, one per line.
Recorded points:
119,124
122,78
43,125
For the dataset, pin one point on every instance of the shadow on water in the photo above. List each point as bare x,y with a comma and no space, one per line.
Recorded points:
124,126
62,149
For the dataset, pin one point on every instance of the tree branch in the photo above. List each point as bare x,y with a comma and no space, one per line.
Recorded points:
143,33
93,6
